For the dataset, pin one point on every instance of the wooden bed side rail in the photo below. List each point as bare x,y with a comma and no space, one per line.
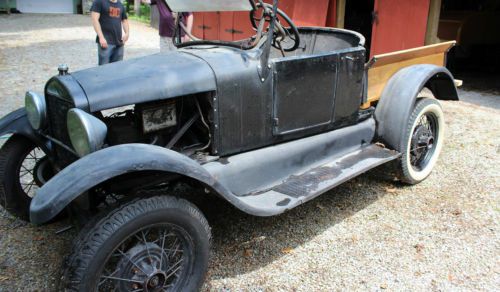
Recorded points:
382,67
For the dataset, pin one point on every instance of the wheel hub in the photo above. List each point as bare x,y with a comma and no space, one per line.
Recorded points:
141,264
42,171
155,281
423,142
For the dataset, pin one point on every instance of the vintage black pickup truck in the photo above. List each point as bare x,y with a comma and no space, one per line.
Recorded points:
266,123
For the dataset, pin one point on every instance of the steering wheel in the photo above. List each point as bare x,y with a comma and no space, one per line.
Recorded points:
287,35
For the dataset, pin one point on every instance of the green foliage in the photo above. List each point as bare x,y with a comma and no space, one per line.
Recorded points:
144,14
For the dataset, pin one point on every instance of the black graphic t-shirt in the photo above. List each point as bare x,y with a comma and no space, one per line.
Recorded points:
112,14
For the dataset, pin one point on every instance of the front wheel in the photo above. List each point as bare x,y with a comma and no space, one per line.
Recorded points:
422,142
152,244
22,168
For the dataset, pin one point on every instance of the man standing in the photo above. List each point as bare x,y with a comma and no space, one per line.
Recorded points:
167,24
109,19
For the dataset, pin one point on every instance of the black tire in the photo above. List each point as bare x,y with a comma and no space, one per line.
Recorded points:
423,140
129,232
14,196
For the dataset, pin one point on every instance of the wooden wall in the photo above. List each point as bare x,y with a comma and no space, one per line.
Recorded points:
236,25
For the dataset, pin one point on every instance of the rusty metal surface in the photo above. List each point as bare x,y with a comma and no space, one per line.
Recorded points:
300,188
265,168
329,175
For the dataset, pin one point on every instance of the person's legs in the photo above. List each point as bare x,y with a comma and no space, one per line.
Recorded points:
117,54
104,55
166,44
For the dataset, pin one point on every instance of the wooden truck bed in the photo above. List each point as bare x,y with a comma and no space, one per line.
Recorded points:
382,67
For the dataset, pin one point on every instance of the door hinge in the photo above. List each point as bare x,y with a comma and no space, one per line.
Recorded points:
234,31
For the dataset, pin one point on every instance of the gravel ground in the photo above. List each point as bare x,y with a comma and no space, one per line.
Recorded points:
368,234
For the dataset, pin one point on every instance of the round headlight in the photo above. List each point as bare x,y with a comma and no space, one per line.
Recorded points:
36,110
87,133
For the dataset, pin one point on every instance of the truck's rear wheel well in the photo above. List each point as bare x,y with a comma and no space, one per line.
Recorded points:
442,87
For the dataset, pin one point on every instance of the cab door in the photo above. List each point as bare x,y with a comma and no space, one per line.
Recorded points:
304,93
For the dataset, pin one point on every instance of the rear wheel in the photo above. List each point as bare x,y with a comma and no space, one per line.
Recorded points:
422,142
153,244
22,168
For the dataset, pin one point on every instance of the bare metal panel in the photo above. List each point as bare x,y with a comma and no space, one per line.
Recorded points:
209,5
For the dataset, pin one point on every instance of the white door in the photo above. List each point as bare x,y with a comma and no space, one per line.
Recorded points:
45,6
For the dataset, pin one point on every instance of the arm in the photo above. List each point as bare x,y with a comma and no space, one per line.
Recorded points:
126,30
189,22
189,26
125,26
97,27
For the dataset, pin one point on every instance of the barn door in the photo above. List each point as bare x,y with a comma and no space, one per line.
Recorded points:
399,25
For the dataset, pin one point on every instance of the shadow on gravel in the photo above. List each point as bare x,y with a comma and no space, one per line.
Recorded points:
480,98
243,243
480,88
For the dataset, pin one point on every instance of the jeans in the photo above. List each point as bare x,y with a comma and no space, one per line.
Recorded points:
112,53
166,44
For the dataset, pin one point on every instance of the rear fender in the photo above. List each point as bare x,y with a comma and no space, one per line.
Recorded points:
400,94
108,163
17,123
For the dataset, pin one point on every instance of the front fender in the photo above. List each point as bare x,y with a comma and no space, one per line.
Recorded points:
105,164
17,122
399,96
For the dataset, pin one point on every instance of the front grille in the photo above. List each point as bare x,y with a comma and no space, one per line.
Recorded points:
57,111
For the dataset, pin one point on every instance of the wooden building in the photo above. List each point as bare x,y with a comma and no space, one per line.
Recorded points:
388,25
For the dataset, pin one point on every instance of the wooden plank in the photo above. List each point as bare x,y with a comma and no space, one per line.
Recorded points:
340,13
306,14
433,22
331,18
211,25
394,57
399,25
197,24
378,77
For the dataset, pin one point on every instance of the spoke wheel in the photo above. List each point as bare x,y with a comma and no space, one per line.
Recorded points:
28,170
153,244
423,141
153,259
24,167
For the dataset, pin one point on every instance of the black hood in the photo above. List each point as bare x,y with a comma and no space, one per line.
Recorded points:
150,78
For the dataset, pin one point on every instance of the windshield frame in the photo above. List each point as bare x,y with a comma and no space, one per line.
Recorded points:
209,5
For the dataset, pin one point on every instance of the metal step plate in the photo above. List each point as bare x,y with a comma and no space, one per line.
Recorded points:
299,188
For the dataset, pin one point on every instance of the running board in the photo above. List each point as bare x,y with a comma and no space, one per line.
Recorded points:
297,189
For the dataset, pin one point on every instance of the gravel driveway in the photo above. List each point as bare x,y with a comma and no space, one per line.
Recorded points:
368,234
